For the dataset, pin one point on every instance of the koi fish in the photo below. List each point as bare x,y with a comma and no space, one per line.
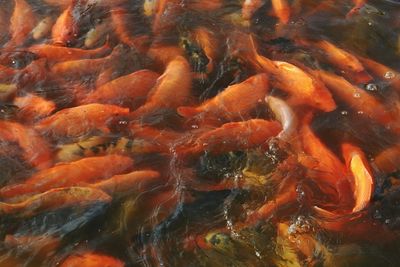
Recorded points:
236,101
43,28
235,136
80,120
382,72
358,4
55,53
137,181
126,89
346,62
171,90
122,21
86,170
36,151
91,259
363,184
65,29
7,91
32,107
22,22
355,97
388,161
282,10
330,173
54,199
303,87
167,12
150,7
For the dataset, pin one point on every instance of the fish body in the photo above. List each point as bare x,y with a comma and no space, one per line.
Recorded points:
23,20
80,120
87,170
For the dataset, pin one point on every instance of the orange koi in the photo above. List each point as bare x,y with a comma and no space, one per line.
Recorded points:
23,20
165,93
126,89
382,72
80,120
330,173
55,53
65,29
363,183
236,101
54,199
356,98
122,21
388,160
282,10
91,259
235,136
32,107
83,171
343,60
303,87
249,7
137,181
36,151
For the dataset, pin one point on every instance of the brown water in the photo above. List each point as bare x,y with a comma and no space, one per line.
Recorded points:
158,227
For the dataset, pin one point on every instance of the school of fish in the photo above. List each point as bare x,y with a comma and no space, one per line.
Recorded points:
96,111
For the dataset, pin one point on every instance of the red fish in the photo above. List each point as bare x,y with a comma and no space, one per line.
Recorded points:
65,29
208,43
137,181
36,151
329,173
172,89
91,259
55,53
235,136
236,101
348,64
304,88
32,107
23,20
357,98
80,120
163,54
127,89
54,199
83,171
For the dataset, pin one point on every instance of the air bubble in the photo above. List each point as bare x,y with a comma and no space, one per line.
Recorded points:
344,112
357,95
389,75
360,112
371,87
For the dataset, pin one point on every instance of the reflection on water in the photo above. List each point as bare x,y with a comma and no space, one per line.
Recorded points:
148,180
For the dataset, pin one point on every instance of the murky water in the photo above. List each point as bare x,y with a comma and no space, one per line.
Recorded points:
215,203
